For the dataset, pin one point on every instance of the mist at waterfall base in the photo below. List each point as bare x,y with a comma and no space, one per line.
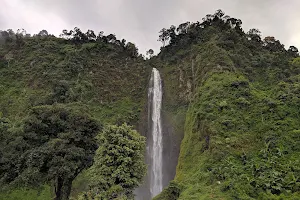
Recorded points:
162,148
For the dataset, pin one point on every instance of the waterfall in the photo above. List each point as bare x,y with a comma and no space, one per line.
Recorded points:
155,130
162,150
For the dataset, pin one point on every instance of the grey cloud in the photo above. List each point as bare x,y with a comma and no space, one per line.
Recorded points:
148,18
136,20
73,12
2,22
2,17
151,14
139,21
272,17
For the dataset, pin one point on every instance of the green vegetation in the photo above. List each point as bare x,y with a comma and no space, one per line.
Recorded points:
236,94
241,132
119,163
27,194
50,89
54,146
91,72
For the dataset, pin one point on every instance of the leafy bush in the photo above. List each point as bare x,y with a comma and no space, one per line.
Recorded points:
119,163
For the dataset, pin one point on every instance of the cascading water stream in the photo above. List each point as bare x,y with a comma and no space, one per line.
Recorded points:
156,146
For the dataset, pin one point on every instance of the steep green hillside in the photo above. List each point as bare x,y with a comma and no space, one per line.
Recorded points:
235,96
93,73
241,135
99,75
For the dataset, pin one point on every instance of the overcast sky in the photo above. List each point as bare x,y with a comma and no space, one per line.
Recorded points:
139,21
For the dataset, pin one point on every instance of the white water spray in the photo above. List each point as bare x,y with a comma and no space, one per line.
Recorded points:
155,148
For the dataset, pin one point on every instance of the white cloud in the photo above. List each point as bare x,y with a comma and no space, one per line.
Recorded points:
139,21
17,15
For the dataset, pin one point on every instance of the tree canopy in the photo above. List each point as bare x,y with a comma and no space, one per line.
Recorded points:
119,163
55,145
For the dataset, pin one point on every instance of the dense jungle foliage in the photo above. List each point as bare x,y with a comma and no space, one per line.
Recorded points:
236,93
56,94
241,136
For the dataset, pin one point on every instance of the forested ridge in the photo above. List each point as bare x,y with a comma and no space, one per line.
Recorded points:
59,97
241,132
69,106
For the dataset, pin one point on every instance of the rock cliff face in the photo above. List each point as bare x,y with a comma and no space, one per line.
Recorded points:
172,130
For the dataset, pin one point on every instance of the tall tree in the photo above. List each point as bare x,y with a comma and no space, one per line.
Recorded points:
4,37
254,35
150,52
131,49
293,51
100,36
20,37
111,38
66,34
119,163
91,35
172,34
183,28
43,33
79,36
164,36
56,145
273,45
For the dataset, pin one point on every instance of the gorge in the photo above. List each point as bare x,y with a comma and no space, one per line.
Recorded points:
217,107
